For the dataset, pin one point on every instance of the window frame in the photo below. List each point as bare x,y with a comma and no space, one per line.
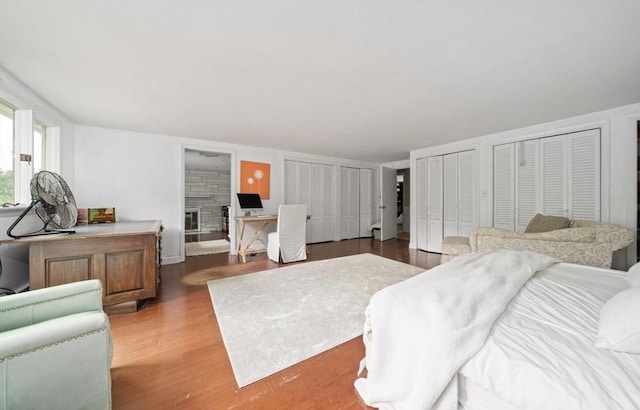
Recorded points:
24,125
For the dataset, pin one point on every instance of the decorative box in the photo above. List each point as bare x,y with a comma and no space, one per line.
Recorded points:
101,215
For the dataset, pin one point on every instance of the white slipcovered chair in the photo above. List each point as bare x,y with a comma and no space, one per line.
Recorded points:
288,243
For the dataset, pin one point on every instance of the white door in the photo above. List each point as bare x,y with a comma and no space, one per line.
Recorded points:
434,201
321,211
421,203
349,203
389,204
466,195
367,201
450,193
503,187
526,182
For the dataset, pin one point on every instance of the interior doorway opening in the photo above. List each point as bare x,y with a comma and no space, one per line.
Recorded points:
207,195
403,199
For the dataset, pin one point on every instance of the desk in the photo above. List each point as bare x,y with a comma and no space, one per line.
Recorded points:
125,256
261,223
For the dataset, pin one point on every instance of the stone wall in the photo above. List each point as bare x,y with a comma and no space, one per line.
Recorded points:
208,190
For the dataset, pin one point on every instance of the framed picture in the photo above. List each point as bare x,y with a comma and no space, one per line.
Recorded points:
254,178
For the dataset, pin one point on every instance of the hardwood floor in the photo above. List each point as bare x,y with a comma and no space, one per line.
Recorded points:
170,353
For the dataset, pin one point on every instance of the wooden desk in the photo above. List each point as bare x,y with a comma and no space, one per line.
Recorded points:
261,223
125,256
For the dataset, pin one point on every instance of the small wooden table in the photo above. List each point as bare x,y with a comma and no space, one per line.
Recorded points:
261,222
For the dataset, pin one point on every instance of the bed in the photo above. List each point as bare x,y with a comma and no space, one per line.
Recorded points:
524,338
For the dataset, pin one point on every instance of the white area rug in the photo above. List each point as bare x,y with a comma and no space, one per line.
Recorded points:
273,319
206,247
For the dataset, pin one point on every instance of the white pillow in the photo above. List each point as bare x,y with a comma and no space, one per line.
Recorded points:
619,326
633,275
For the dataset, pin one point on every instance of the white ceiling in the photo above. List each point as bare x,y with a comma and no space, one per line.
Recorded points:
368,80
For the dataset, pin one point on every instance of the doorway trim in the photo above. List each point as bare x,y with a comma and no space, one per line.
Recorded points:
233,250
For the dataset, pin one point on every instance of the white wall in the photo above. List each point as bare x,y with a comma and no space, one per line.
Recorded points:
618,153
142,176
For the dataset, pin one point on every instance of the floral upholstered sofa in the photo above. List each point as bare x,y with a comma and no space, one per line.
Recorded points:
585,243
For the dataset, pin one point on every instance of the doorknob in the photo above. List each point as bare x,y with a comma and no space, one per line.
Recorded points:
383,207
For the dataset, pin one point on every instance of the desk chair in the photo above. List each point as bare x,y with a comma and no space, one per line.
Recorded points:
288,243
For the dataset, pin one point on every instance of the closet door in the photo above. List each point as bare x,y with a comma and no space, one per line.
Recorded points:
297,183
584,175
450,195
321,211
553,153
527,182
503,186
571,175
367,202
434,201
349,203
421,203
466,203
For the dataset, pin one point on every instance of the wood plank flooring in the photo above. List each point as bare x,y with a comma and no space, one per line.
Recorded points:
170,354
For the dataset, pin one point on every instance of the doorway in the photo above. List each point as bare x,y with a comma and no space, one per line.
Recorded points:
403,199
207,195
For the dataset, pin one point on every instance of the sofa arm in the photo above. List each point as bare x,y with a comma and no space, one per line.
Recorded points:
44,304
584,235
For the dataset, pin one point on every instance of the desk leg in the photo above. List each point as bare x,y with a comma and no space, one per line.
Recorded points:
242,252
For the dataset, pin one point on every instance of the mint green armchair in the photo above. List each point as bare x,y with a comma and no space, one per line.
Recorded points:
55,349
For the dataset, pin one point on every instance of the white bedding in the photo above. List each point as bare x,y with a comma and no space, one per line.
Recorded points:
540,354
457,302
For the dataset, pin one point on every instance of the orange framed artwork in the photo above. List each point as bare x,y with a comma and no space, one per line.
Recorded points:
254,178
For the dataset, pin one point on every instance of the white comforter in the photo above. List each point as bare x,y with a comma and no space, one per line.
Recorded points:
419,332
541,353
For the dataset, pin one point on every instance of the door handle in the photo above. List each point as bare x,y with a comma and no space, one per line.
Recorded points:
383,207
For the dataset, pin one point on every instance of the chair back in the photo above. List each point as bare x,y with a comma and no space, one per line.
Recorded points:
292,232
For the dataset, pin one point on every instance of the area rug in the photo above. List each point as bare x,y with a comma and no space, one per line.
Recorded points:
206,247
276,318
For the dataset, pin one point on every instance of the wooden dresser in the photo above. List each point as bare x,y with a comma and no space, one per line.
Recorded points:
125,256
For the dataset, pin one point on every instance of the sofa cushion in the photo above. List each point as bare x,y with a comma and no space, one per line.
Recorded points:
546,223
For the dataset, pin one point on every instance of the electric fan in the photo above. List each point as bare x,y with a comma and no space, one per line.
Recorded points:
53,203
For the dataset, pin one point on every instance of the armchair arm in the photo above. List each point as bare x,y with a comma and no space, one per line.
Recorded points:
44,304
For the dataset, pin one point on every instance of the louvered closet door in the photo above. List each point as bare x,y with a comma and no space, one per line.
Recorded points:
321,210
527,182
503,186
421,203
466,220
298,187
349,203
450,195
584,175
554,176
367,211
434,201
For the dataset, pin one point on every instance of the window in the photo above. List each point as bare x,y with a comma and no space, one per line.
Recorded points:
23,152
6,152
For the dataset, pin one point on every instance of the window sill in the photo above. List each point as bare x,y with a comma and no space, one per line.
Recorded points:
13,210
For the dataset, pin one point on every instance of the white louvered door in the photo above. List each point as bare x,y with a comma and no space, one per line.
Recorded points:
450,194
584,175
554,176
503,186
321,210
349,203
527,183
421,203
557,175
466,203
434,201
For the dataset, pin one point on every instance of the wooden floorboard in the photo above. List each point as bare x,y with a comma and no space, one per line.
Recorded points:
170,353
